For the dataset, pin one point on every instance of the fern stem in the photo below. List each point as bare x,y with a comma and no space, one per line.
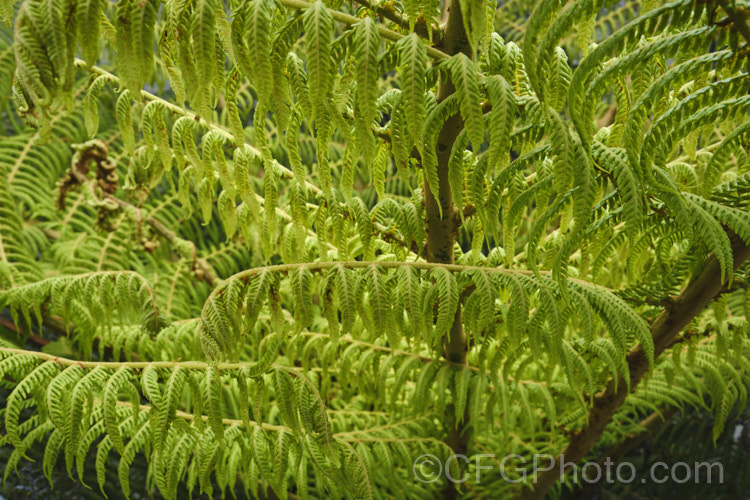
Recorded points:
695,297
646,427
192,365
443,223
393,264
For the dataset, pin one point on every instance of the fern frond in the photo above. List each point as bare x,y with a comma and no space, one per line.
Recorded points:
318,28
463,74
412,68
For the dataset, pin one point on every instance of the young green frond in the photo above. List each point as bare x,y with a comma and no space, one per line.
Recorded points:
280,248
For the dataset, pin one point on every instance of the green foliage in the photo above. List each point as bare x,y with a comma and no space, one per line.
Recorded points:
226,209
